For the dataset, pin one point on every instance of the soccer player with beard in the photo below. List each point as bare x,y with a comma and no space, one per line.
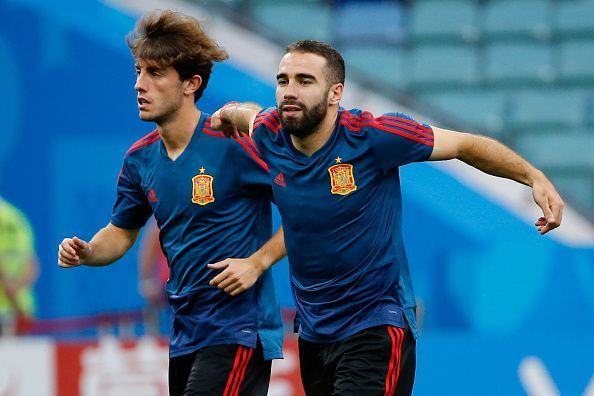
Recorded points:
336,185
211,198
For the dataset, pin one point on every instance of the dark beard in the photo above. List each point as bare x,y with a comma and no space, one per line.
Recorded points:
309,122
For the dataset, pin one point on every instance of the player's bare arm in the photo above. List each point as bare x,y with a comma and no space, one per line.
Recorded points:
241,274
494,158
235,118
107,246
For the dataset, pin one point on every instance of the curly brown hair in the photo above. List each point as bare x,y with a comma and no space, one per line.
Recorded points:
170,38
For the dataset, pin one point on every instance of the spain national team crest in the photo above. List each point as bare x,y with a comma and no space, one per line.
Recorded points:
342,178
202,192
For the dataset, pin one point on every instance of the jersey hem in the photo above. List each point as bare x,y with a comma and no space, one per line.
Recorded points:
273,356
225,341
355,330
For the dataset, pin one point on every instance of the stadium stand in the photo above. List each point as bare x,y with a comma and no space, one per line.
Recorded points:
483,110
572,18
575,61
438,66
364,59
364,22
508,20
317,16
516,63
450,20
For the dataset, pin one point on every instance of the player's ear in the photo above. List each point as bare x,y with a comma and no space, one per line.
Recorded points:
192,84
335,94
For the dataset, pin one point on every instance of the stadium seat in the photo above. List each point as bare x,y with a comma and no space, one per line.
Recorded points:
590,110
518,62
482,110
368,22
559,148
576,60
387,64
574,18
443,65
505,19
443,20
295,20
547,108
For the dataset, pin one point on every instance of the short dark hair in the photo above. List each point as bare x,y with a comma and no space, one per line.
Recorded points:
170,38
334,62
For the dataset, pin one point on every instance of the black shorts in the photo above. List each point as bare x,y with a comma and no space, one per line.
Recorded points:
225,370
379,361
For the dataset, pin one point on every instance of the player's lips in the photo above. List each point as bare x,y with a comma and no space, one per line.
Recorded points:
142,103
291,110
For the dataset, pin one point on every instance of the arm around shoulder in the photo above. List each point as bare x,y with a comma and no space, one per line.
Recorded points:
235,118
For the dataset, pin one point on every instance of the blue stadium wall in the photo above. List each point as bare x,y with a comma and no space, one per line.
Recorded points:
493,292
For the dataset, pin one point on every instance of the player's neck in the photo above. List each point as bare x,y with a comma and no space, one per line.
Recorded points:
177,131
312,143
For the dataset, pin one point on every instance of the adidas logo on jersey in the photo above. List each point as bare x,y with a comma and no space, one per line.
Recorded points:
280,180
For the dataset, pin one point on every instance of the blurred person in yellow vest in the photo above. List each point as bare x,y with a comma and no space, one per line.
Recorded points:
19,268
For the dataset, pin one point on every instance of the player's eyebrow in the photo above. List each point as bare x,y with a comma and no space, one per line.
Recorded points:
149,68
299,76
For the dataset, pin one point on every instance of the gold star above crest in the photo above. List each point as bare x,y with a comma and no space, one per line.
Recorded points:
338,160
202,170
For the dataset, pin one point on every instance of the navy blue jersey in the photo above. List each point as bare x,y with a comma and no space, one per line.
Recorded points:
341,213
211,203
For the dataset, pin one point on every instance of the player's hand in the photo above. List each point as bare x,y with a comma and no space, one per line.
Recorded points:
548,199
73,252
219,123
238,275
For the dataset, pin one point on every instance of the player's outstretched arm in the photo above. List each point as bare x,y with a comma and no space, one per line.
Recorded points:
107,246
235,118
241,274
494,158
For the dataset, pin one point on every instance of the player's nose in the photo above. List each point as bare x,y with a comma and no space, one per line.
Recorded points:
290,91
140,84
